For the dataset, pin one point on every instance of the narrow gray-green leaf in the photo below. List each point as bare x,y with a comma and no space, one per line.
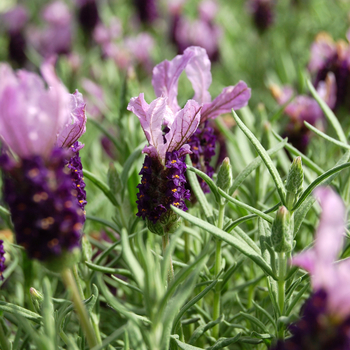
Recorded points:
265,157
202,329
246,206
326,137
328,113
222,343
317,181
102,186
184,346
108,270
224,236
253,165
18,310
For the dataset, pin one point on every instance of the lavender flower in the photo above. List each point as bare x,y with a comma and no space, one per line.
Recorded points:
163,180
44,188
147,10
88,14
201,32
329,56
326,315
2,259
196,63
262,12
14,21
304,108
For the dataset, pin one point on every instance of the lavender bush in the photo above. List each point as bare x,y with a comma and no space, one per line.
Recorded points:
174,175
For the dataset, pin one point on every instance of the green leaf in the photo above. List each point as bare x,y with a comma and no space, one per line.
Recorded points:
208,180
224,236
102,186
108,270
196,188
297,298
112,337
129,258
182,345
246,206
191,303
253,165
326,137
202,329
222,343
105,223
328,113
264,156
317,181
306,161
17,310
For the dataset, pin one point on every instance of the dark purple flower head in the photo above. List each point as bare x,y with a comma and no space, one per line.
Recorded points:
44,206
88,14
2,259
262,12
316,330
147,10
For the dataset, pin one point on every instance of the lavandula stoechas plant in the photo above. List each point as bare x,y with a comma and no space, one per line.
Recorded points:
325,319
163,180
196,63
42,173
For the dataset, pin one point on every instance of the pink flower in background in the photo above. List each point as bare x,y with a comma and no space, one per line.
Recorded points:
320,261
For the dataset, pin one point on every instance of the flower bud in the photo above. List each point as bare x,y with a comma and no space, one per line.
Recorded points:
37,298
294,183
282,231
224,179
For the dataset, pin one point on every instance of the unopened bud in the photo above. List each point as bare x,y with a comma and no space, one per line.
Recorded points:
282,231
37,298
294,183
224,179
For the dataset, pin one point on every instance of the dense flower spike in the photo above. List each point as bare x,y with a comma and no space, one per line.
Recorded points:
44,188
45,211
146,10
262,12
2,259
88,14
327,57
315,330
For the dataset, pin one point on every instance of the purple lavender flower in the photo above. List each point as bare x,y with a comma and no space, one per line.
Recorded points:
196,63
88,14
304,108
163,180
2,259
44,188
327,57
56,37
14,21
147,10
201,32
325,320
262,12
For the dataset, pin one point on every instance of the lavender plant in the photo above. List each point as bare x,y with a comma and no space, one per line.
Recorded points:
188,222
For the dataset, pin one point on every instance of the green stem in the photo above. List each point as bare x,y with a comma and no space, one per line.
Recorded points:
77,280
282,270
217,268
187,247
5,345
165,243
80,309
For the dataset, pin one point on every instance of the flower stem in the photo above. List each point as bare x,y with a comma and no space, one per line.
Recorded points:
217,268
282,269
80,309
3,339
165,243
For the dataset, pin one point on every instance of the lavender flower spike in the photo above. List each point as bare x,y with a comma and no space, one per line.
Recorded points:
163,180
333,278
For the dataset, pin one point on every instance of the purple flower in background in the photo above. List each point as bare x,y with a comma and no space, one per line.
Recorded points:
304,108
88,14
167,132
262,12
325,320
329,56
56,36
13,22
201,32
197,65
2,259
44,188
147,10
